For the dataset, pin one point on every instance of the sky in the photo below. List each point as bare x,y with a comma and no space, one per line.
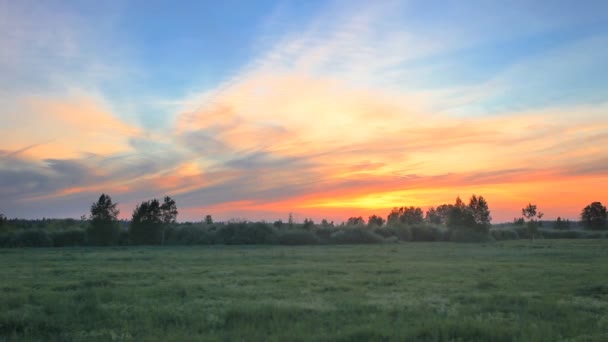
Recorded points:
323,109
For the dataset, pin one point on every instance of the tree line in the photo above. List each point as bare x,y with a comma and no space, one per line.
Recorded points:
154,222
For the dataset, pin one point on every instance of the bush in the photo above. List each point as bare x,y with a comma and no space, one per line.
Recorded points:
103,233
571,234
243,233
355,236
385,232
298,237
7,239
73,237
462,235
324,233
32,238
426,233
504,234
192,235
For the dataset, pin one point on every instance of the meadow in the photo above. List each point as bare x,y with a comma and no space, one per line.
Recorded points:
547,290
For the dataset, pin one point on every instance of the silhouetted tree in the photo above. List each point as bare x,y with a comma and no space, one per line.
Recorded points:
406,215
443,211
481,213
433,217
208,219
104,229
530,212
147,223
2,222
393,216
594,216
375,221
460,217
326,224
355,221
561,224
308,224
168,212
278,224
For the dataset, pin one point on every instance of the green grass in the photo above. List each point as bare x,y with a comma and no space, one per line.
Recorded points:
511,291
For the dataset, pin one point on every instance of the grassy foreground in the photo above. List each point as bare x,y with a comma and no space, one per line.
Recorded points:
504,291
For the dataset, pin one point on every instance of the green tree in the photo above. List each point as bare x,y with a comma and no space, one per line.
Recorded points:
104,229
594,216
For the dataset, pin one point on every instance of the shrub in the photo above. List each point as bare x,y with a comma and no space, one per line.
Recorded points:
32,238
73,237
192,235
7,239
243,233
426,233
461,235
324,233
355,236
385,232
504,234
552,234
298,237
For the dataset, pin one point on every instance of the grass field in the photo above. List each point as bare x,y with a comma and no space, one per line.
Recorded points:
516,290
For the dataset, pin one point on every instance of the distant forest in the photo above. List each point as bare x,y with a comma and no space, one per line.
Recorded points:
154,222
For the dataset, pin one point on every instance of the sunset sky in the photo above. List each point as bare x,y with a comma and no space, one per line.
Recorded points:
255,109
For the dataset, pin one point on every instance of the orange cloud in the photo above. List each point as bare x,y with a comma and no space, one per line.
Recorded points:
66,128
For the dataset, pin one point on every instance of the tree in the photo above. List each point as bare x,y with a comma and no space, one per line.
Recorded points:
443,211
594,216
375,220
104,229
433,217
355,221
561,224
2,222
481,213
326,224
530,212
407,215
168,212
151,219
393,216
308,224
460,217
208,219
146,223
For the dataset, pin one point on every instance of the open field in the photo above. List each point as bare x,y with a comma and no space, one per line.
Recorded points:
517,290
